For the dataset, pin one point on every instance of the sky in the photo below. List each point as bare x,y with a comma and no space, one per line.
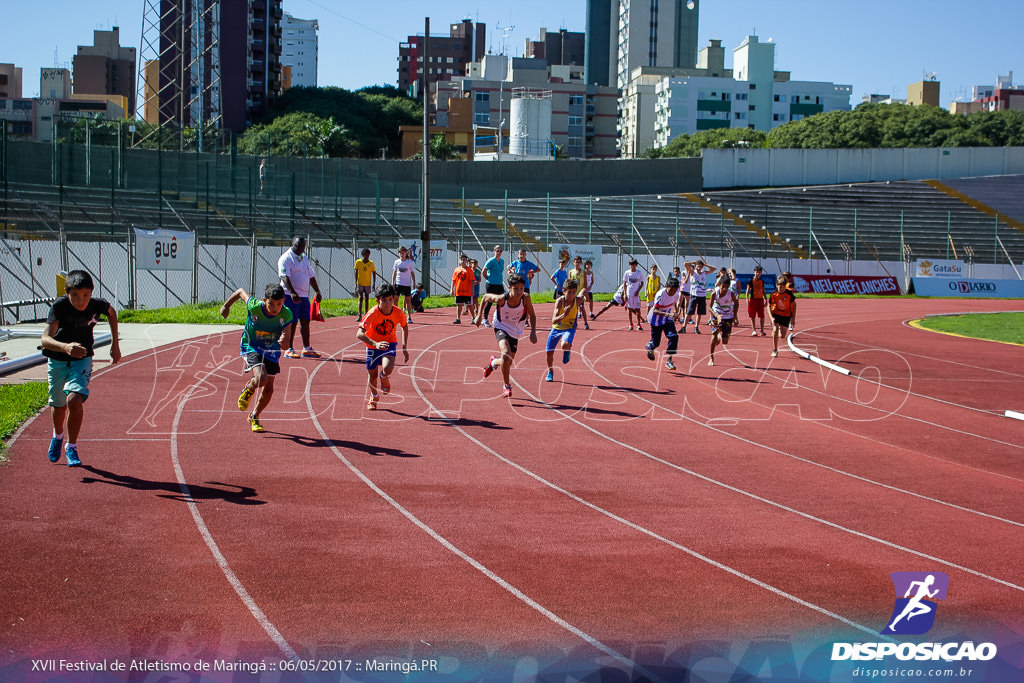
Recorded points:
876,46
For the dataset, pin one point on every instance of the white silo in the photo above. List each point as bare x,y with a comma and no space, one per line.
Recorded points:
530,125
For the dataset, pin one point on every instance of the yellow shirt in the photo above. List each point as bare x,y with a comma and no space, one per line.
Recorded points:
364,273
577,275
568,321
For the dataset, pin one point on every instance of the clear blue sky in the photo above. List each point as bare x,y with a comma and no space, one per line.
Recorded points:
877,46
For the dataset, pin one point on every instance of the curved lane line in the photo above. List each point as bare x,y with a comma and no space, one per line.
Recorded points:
451,547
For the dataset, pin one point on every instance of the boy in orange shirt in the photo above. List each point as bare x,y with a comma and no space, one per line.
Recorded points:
462,287
378,330
782,305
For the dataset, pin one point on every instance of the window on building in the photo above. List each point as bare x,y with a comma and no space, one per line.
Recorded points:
576,99
753,107
575,120
778,98
753,86
482,118
482,96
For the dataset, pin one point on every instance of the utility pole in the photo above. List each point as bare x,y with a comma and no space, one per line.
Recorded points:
425,233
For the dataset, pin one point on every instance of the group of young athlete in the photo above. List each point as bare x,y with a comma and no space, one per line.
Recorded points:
67,340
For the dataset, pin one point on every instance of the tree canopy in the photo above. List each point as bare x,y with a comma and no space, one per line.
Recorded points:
867,126
370,116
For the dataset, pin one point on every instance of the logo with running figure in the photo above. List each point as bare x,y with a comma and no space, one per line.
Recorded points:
917,596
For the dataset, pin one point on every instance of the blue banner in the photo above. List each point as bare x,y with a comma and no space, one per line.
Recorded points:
968,288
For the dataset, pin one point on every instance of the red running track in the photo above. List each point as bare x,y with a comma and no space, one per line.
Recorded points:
619,515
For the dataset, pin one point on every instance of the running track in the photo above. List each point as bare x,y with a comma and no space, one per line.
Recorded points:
623,517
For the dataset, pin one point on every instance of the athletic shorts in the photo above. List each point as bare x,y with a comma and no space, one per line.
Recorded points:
588,296
633,302
403,290
364,289
698,306
723,329
476,292
495,289
254,359
557,337
462,299
558,292
781,320
755,308
375,356
513,343
300,310
67,376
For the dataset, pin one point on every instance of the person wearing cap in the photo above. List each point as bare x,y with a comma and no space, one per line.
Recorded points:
696,271
633,284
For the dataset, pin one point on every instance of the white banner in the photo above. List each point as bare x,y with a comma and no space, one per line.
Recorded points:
438,250
935,268
164,249
588,252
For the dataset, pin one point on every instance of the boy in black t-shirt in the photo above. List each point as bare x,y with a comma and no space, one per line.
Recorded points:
67,342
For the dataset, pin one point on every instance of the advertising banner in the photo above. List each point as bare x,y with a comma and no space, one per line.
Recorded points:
164,249
846,284
588,252
936,268
968,288
438,250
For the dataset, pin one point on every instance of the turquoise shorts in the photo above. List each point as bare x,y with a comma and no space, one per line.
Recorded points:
67,376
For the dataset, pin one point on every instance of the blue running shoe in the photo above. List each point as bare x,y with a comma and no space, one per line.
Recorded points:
71,453
550,377
565,357
55,447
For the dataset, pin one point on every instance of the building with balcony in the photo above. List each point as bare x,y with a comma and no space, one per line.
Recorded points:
660,105
448,57
301,50
583,117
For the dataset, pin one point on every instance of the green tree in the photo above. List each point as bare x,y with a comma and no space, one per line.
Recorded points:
690,145
296,134
440,150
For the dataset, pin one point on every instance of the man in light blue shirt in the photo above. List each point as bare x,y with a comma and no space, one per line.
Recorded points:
494,272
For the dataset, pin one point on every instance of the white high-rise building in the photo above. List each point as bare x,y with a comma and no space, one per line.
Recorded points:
301,48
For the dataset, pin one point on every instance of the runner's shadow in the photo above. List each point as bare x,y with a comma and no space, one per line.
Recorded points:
244,495
460,421
370,449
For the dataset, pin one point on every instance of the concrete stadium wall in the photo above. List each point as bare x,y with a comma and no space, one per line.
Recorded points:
725,168
488,179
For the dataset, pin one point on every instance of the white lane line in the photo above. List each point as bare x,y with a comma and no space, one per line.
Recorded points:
643,530
758,498
204,531
451,547
829,468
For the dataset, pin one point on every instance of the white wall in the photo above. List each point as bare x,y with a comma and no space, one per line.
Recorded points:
780,167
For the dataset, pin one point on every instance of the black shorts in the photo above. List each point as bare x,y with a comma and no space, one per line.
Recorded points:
724,329
782,320
698,306
513,343
403,290
495,289
254,359
463,299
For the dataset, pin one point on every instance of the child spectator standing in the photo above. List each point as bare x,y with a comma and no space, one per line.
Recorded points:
525,268
755,301
633,283
379,332
476,287
366,273
587,283
67,343
559,277
462,287
653,285
698,303
403,277
265,321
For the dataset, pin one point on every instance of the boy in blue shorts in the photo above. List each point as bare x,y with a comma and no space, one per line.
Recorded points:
265,320
563,325
378,331
67,343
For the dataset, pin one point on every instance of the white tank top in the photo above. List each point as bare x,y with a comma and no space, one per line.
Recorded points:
511,319
722,305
